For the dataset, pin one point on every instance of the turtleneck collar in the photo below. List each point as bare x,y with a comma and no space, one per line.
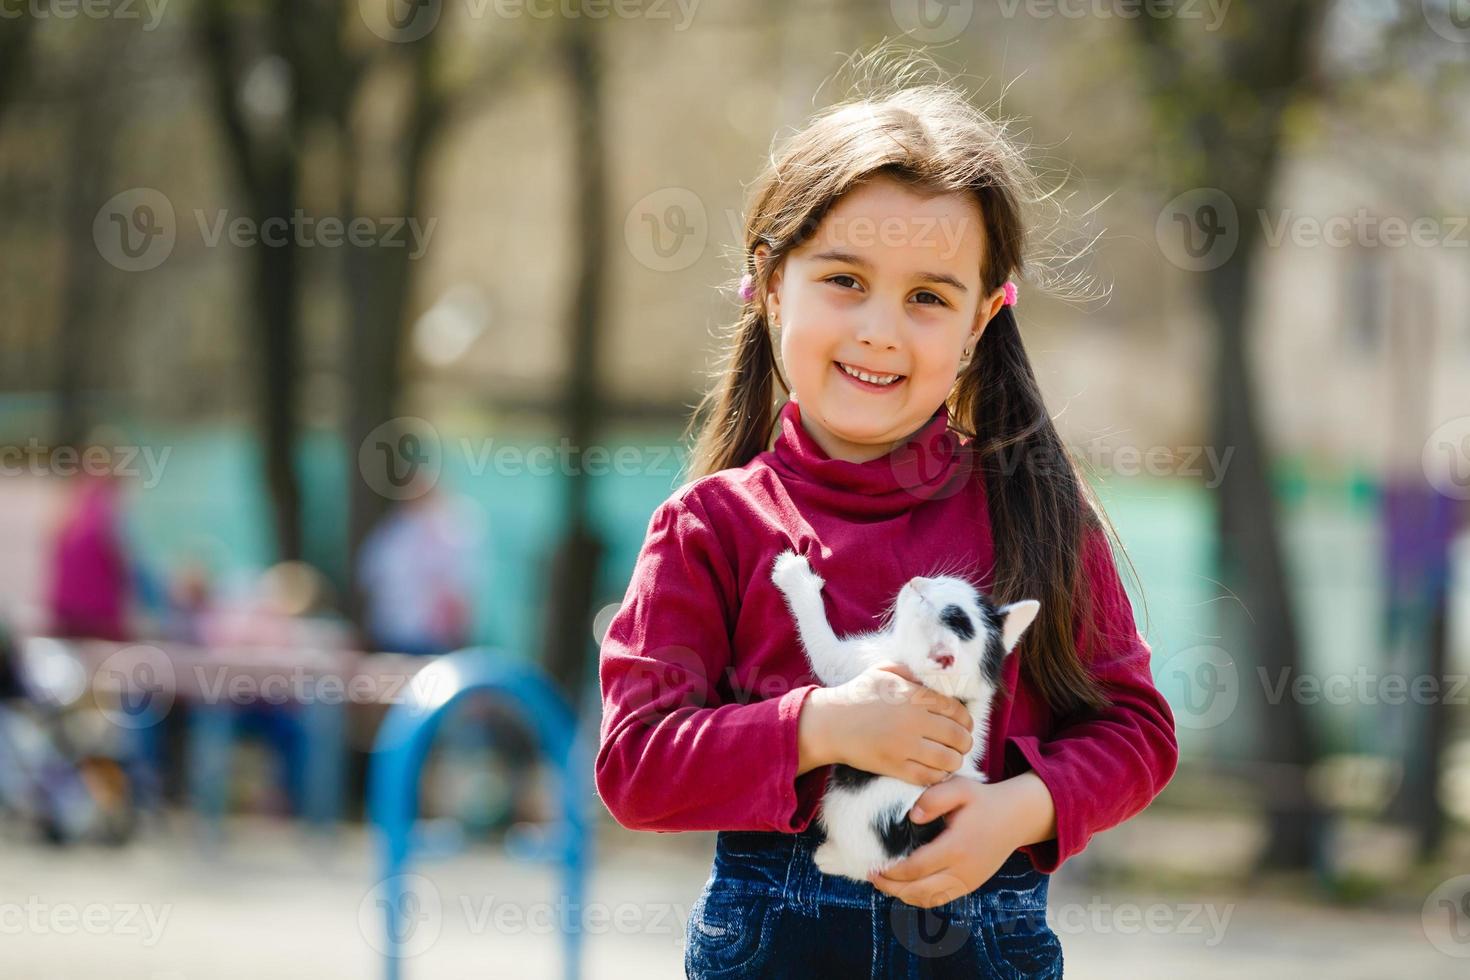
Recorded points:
922,467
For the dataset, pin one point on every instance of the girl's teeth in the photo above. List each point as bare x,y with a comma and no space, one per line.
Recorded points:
876,379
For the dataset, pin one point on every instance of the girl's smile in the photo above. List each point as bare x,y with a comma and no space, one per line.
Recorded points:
869,380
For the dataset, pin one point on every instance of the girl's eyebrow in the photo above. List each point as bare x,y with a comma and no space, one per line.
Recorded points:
837,255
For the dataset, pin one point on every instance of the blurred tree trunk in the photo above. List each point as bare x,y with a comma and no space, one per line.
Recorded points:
378,285
17,29
89,158
1419,524
1227,111
266,155
568,624
380,279
321,70
1420,802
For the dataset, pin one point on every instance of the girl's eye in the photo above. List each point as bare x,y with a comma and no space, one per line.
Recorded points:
935,297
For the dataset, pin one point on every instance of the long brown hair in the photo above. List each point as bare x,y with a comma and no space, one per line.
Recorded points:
930,137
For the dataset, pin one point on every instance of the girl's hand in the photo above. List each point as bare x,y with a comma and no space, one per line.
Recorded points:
986,822
884,721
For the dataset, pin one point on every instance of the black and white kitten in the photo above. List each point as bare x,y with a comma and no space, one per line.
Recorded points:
953,639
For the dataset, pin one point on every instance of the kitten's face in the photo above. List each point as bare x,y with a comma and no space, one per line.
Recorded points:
952,638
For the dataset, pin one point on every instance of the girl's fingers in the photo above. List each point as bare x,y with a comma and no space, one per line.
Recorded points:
919,864
894,667
940,799
944,706
958,713
948,732
937,755
923,775
923,893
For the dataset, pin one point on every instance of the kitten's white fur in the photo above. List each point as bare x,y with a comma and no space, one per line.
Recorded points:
914,637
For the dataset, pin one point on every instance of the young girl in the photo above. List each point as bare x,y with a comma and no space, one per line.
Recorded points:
879,252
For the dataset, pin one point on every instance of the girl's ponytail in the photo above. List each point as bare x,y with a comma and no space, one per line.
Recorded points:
1040,508
738,414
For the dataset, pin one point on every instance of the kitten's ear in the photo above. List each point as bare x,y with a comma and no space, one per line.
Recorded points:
1015,617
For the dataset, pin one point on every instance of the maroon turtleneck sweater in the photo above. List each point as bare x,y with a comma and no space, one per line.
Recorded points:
703,676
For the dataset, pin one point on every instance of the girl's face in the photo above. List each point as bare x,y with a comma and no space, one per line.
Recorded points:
888,286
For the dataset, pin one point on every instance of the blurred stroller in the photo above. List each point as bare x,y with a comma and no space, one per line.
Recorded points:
67,774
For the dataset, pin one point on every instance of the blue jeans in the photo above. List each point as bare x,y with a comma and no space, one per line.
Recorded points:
766,911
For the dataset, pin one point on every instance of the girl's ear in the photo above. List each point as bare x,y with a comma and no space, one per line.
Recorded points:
989,307
773,283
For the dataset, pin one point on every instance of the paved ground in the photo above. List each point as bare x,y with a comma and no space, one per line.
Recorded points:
274,905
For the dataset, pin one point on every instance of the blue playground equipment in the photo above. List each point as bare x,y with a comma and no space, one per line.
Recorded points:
402,746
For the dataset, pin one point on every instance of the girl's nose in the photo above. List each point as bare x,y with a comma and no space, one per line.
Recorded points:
875,330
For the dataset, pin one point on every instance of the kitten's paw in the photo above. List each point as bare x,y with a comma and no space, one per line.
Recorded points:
826,860
792,573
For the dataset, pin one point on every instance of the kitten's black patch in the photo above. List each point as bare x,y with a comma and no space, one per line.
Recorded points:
900,835
957,621
846,777
990,660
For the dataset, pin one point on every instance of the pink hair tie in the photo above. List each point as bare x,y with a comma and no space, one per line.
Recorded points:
1011,291
747,287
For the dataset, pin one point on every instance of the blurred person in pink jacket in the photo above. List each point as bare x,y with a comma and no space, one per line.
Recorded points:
89,587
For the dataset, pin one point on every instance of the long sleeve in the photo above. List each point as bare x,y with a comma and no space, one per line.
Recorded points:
672,755
1107,765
